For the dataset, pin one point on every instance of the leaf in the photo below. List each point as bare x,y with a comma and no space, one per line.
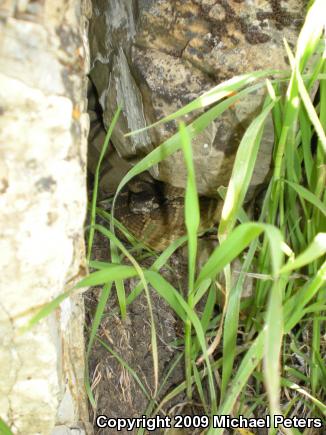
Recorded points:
242,171
308,196
4,429
315,250
96,183
214,95
236,242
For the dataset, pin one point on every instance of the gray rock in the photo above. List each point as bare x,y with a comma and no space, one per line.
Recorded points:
155,59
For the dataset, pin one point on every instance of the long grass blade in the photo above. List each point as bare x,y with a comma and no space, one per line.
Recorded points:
235,243
4,429
222,90
96,182
242,171
315,250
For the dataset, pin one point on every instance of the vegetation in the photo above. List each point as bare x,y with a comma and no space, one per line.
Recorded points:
257,339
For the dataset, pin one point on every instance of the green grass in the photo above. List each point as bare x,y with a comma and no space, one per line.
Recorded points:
4,429
257,340
285,245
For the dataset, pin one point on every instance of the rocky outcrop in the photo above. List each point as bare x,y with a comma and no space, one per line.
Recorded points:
153,57
43,138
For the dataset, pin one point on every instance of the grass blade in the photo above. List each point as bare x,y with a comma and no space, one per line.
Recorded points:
4,429
236,242
212,96
242,171
315,250
96,183
308,196
192,219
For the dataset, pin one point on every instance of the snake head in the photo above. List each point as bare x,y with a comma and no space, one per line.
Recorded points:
142,202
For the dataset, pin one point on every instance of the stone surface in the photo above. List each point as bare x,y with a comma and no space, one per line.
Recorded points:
43,136
154,58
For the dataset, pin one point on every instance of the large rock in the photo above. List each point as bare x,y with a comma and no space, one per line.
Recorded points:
43,138
155,59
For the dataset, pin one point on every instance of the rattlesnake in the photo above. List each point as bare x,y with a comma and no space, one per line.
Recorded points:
153,211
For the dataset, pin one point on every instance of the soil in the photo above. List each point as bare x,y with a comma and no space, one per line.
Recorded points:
116,392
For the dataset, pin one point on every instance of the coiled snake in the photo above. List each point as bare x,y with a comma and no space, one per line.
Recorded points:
153,211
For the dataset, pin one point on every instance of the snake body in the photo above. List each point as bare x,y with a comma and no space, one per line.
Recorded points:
154,211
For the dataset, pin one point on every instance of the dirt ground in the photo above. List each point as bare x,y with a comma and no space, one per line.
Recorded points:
116,392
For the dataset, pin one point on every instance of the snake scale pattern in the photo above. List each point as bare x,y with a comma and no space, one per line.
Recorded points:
154,211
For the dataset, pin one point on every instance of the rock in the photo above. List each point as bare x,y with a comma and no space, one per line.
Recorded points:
155,58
